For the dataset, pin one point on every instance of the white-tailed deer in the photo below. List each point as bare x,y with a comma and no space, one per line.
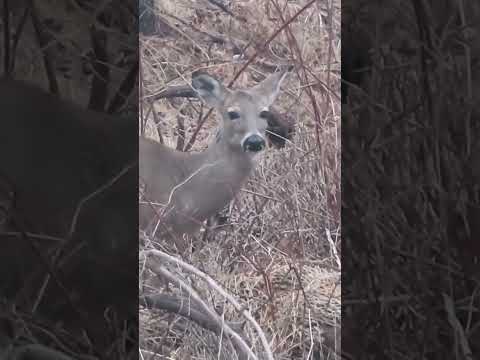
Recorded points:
184,189
68,210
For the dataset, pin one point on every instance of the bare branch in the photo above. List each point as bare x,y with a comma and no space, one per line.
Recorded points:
213,284
240,344
188,309
174,91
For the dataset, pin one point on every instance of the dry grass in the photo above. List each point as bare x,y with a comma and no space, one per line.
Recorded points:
279,252
412,239
62,56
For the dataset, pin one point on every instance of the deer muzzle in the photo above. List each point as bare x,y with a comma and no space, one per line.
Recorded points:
254,143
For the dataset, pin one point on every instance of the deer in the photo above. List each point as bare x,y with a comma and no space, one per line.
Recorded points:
183,189
68,211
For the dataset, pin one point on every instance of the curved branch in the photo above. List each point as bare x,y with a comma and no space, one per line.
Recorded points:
240,345
212,283
188,309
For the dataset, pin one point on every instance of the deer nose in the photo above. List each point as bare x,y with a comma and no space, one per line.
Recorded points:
254,143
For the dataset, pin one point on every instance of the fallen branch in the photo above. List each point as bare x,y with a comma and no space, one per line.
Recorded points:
213,284
243,350
187,308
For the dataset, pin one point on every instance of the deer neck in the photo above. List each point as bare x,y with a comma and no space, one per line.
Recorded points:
228,160
215,177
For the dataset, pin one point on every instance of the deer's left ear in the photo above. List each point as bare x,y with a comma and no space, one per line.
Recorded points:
210,90
267,91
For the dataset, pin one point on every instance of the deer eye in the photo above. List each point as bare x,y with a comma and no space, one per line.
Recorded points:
233,115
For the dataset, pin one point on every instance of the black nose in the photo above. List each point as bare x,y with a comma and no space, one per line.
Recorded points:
254,143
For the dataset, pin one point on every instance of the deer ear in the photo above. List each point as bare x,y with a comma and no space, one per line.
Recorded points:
209,89
267,91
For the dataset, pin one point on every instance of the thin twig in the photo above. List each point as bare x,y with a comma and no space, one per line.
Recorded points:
270,39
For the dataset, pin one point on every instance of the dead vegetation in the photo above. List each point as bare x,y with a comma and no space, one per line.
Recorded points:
86,53
277,254
412,151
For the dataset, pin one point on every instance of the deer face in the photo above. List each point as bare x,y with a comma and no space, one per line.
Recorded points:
243,111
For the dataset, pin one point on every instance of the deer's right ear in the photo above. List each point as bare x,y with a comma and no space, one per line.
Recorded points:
209,89
267,91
